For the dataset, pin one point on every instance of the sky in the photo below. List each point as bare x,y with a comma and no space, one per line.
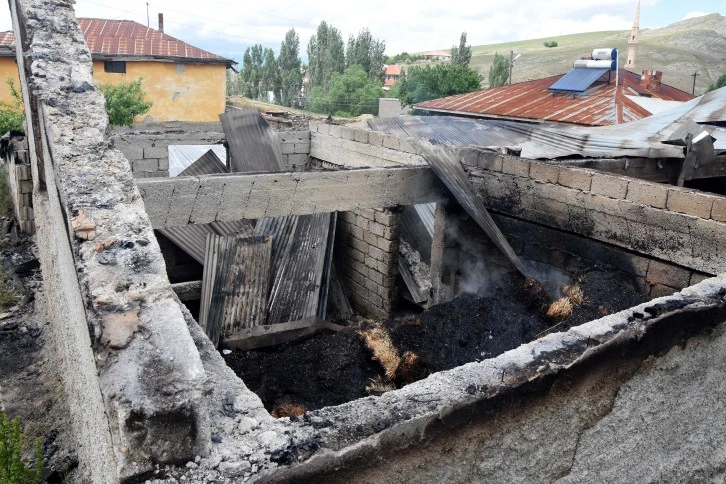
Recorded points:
227,27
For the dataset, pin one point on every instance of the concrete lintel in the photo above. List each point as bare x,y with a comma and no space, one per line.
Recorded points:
223,198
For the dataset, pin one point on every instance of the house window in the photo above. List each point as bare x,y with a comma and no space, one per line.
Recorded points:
117,67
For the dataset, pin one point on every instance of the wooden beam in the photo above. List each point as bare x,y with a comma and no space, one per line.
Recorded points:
227,197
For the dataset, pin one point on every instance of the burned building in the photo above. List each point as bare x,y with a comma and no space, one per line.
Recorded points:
489,383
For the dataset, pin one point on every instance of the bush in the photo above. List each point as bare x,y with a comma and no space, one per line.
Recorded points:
14,469
550,43
720,82
12,114
125,101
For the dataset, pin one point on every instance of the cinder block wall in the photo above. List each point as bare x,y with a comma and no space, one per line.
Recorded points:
20,185
673,224
147,147
366,252
295,149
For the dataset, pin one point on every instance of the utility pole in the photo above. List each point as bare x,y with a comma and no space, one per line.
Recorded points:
511,61
694,83
147,15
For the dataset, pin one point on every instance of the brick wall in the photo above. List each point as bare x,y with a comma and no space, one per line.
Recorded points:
20,185
366,252
147,146
681,226
295,147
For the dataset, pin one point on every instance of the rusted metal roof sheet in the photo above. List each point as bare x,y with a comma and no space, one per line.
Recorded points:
253,144
126,38
642,138
532,101
235,285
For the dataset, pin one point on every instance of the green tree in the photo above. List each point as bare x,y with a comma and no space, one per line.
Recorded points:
125,101
424,83
367,52
270,76
289,61
326,55
14,469
461,56
720,82
250,77
12,114
351,94
499,71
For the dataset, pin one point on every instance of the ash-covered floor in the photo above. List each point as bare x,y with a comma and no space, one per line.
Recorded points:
330,369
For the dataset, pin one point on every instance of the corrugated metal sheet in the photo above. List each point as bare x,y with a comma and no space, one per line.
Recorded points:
253,144
652,104
577,80
642,138
207,164
417,227
532,100
452,174
235,285
299,263
181,157
192,238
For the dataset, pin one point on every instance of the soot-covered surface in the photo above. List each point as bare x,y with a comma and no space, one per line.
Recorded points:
330,369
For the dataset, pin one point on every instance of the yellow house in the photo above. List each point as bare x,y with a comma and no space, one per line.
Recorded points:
184,83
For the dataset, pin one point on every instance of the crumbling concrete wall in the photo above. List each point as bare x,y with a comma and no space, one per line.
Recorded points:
134,384
20,184
366,251
147,146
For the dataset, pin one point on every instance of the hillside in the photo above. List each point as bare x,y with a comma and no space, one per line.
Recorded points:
697,44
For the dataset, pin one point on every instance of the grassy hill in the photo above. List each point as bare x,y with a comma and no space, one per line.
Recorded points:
697,44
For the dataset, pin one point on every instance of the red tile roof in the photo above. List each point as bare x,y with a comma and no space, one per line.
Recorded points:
125,38
393,70
532,101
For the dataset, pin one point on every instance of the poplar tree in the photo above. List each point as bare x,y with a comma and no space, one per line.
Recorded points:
461,56
289,62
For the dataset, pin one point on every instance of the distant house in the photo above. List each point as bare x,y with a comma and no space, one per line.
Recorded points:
437,55
638,96
393,74
184,82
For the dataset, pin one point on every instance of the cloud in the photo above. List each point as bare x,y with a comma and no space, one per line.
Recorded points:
227,27
694,15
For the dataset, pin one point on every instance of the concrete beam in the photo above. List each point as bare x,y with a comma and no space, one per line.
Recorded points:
223,198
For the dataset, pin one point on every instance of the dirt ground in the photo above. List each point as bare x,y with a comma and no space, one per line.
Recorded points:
329,369
30,388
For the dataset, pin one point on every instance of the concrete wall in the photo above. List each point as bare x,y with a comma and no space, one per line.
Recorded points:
366,251
295,147
676,225
20,185
147,146
179,92
391,108
673,224
134,383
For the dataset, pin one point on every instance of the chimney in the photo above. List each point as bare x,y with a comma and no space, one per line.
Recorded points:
161,23
650,80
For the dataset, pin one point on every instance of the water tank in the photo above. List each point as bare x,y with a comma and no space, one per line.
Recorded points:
605,54
595,64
